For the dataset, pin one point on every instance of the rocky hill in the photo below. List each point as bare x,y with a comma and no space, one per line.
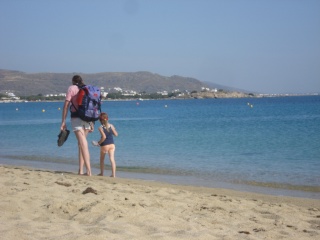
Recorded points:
25,84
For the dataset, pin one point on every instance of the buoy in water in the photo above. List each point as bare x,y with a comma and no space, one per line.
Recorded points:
58,108
43,110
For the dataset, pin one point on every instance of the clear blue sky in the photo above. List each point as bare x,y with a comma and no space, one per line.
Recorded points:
267,46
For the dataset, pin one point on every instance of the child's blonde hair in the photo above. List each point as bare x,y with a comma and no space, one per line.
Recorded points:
104,120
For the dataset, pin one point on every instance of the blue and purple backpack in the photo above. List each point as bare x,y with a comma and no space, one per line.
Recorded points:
89,101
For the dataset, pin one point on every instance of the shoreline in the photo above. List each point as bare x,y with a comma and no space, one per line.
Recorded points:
60,204
196,188
274,189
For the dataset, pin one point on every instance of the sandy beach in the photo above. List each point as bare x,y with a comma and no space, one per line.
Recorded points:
41,204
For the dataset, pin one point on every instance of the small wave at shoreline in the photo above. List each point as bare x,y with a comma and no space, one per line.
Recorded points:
169,175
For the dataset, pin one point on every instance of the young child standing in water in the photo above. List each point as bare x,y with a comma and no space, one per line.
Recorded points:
106,143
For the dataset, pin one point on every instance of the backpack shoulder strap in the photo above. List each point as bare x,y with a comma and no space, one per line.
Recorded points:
80,87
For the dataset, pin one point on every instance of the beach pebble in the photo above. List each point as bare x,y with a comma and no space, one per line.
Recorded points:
90,190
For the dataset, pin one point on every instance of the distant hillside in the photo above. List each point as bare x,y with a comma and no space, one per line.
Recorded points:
23,84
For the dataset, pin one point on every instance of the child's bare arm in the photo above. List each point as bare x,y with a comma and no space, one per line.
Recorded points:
103,136
114,130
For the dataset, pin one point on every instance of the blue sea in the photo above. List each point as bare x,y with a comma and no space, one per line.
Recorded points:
265,145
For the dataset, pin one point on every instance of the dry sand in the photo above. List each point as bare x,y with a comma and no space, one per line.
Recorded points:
40,204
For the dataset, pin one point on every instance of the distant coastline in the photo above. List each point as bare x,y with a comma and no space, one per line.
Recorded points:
201,95
118,85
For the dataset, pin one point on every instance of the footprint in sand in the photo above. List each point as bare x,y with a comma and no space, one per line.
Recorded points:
315,224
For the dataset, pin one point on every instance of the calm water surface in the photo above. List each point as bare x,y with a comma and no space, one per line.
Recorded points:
271,147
